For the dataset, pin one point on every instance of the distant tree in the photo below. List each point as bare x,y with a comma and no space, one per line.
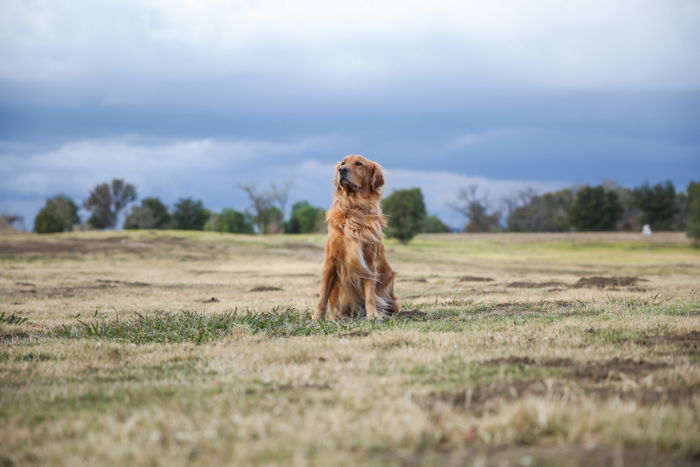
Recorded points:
231,221
541,213
595,208
106,201
189,215
657,203
476,209
405,212
59,214
693,209
433,224
7,221
152,214
267,205
272,220
630,219
680,219
305,218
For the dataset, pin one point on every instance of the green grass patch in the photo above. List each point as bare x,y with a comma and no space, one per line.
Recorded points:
191,326
12,318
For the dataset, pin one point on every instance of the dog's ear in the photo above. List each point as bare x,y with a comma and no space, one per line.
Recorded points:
376,177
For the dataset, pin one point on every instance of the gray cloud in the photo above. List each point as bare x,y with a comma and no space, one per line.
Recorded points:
188,98
136,52
210,170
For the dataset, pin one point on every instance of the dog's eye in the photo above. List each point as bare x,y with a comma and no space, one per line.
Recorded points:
358,163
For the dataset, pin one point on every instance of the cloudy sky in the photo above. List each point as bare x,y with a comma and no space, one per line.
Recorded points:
188,98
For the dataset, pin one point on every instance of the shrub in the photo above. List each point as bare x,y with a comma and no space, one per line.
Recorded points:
59,214
152,214
433,224
305,218
231,221
189,215
405,211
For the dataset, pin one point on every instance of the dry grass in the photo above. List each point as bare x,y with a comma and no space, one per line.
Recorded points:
175,348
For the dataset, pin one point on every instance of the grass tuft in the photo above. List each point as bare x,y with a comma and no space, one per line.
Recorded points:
12,318
190,326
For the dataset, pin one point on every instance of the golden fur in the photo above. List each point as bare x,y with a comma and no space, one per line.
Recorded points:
357,278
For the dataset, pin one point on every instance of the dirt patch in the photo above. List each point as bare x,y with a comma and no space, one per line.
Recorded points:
689,342
534,285
127,283
522,361
489,398
601,282
410,314
593,370
475,279
302,246
518,455
12,335
579,456
357,333
615,368
417,279
264,288
63,246
290,387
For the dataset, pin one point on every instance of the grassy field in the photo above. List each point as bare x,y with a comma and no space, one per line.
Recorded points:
174,348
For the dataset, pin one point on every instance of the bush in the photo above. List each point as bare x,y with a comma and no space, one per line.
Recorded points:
433,224
405,211
305,218
231,221
152,214
189,215
59,214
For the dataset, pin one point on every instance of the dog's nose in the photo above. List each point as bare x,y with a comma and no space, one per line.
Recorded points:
343,171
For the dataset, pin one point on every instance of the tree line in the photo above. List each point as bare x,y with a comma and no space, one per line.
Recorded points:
107,201
604,207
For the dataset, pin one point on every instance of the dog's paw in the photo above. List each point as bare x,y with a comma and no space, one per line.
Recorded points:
378,316
318,316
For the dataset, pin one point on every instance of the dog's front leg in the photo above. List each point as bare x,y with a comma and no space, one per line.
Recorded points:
370,286
328,280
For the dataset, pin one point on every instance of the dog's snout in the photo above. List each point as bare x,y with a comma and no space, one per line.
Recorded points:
343,171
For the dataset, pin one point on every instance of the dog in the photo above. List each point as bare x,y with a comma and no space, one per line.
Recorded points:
357,279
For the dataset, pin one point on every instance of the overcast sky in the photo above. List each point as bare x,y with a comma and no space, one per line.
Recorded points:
188,98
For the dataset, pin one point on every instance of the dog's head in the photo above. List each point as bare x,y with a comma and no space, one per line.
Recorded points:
357,174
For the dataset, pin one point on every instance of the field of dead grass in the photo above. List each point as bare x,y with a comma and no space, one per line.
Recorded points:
174,348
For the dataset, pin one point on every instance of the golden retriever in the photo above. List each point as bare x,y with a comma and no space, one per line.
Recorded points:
357,279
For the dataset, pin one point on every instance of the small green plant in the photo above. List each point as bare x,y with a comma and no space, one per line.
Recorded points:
12,318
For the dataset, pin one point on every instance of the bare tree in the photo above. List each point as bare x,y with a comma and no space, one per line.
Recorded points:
268,206
280,193
517,200
475,208
7,221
